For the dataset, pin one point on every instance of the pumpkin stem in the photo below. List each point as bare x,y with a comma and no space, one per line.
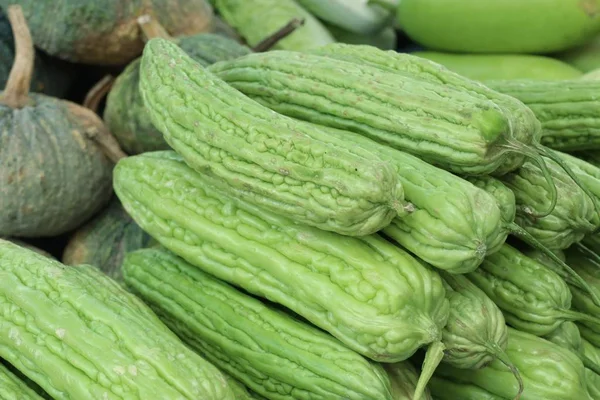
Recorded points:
270,41
15,93
433,357
151,28
561,268
110,146
97,92
501,355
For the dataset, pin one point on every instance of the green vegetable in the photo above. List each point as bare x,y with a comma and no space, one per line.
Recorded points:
484,67
532,297
586,57
504,197
78,334
240,392
476,333
54,176
549,372
357,16
106,32
104,241
567,335
255,20
269,351
384,39
273,161
592,378
371,295
29,246
593,75
12,388
125,114
404,379
507,26
568,110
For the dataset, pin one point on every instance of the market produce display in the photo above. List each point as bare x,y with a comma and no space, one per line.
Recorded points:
300,200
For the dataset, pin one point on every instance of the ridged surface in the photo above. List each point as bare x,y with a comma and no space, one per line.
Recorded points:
573,217
530,295
104,241
475,328
368,293
125,114
240,391
12,388
53,177
404,377
567,109
505,198
453,225
79,335
273,161
256,20
592,379
442,125
549,372
266,349
106,32
525,127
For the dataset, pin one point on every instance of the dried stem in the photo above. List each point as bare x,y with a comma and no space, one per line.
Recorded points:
97,92
151,28
281,34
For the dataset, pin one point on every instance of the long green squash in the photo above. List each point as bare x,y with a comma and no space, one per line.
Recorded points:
268,350
549,372
78,334
567,109
12,388
273,161
371,295
532,297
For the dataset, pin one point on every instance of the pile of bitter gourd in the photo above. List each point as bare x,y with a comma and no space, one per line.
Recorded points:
332,224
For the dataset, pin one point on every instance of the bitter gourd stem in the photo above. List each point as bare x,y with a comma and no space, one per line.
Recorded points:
501,355
587,251
97,92
270,41
434,356
571,315
577,280
151,28
16,92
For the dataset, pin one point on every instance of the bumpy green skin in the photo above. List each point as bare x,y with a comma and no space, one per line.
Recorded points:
125,114
586,58
12,388
269,351
476,330
258,19
385,39
549,372
503,195
404,377
532,297
484,67
453,225
404,111
106,32
573,217
31,384
28,246
567,110
53,176
273,161
50,76
104,241
507,26
239,390
78,334
371,295
525,128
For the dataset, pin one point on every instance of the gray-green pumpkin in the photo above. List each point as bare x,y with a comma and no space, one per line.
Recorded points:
105,32
105,240
54,176
125,115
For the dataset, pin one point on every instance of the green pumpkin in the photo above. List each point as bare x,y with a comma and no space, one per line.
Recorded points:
105,240
125,114
105,32
54,176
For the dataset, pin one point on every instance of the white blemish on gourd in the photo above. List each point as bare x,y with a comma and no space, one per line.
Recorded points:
60,332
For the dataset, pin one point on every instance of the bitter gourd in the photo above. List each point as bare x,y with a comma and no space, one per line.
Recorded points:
268,350
567,109
476,333
549,372
592,353
404,379
78,334
532,297
12,388
275,162
370,294
239,390
567,335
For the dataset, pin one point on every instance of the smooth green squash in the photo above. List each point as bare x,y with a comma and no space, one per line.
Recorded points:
586,58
